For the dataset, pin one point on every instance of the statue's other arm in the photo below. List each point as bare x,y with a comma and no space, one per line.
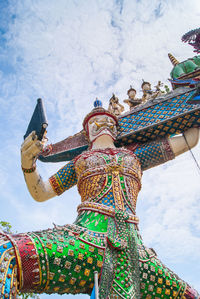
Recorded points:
158,152
180,144
57,184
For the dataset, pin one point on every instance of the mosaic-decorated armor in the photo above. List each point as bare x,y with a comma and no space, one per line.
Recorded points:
104,238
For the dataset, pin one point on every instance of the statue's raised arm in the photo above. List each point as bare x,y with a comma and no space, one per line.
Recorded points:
39,189
30,149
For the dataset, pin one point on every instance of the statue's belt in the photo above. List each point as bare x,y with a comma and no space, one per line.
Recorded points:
108,211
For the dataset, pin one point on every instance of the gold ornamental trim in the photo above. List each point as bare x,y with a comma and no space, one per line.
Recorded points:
109,170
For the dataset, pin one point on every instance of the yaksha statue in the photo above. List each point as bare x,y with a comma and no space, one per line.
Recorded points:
105,236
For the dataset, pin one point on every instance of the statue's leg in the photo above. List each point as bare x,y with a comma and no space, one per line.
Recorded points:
8,268
60,260
157,281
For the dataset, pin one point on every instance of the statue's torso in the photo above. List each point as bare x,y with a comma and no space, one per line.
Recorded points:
109,178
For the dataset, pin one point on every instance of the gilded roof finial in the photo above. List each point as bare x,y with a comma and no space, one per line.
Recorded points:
173,60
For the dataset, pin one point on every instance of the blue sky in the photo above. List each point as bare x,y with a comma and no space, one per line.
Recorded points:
69,53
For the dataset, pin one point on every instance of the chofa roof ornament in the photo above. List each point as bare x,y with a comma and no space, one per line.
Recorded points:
173,60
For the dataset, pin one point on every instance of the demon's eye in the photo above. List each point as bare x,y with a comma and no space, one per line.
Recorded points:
91,121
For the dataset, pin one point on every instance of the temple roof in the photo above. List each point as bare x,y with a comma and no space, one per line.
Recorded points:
189,68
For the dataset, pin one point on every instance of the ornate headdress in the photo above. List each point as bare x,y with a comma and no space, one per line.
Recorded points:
145,82
130,89
97,110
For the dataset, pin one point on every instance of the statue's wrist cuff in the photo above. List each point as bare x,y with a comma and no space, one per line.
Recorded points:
29,170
